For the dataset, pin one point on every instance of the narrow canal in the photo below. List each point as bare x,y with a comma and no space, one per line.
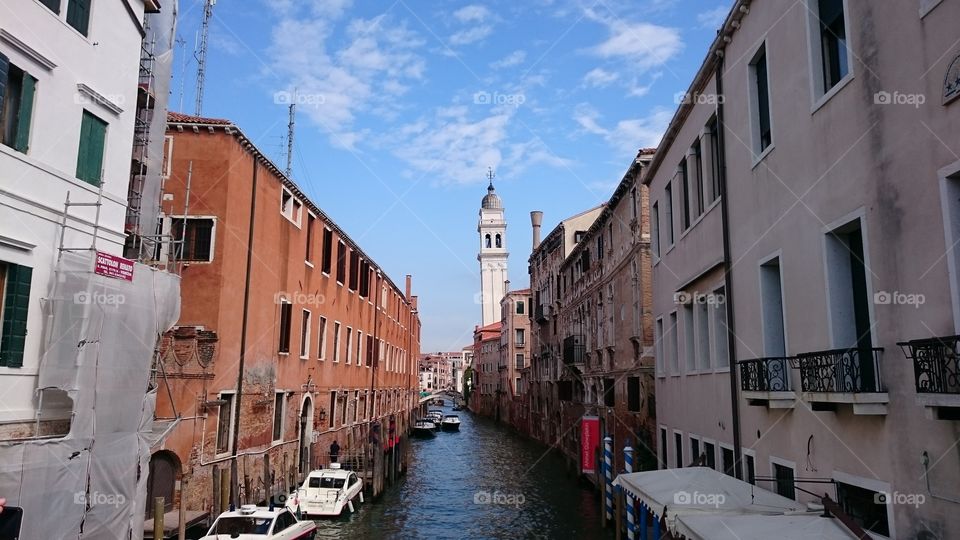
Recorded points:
483,482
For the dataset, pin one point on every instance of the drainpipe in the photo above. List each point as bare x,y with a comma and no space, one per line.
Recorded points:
727,279
243,330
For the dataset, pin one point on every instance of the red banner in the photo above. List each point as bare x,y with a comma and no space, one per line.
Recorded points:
113,266
589,440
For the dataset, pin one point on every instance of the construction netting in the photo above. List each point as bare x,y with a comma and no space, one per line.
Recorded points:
100,337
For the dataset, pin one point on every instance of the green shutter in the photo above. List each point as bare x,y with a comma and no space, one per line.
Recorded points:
93,132
4,68
16,303
22,140
78,15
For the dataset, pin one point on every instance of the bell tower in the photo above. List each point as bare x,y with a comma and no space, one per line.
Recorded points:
492,229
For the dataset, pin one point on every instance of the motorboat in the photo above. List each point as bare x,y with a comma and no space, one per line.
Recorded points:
326,492
451,422
253,522
424,428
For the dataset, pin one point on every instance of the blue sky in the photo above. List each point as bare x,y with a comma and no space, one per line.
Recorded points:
403,105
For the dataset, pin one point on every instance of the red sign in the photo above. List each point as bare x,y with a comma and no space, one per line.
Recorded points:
113,266
589,439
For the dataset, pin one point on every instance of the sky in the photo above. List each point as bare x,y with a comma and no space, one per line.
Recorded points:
403,106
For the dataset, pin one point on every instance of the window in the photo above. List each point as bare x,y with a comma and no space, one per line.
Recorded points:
93,135
695,171
333,409
327,250
847,286
684,180
711,455
78,15
865,506
305,335
599,245
370,350
678,449
668,208
354,270
17,88
309,249
689,341
520,307
694,450
193,238
359,348
349,345
284,521
726,460
520,338
673,344
722,350
634,399
760,99
486,241
364,279
52,5
322,345
341,263
520,361
771,297
713,145
655,225
663,448
609,392
224,423
336,342
832,33
15,289
702,312
578,236
783,475
499,241
750,471
661,348
286,312
278,406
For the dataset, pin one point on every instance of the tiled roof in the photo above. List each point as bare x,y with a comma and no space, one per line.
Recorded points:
181,118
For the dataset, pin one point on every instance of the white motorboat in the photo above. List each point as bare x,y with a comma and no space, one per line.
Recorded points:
326,492
424,428
451,422
252,522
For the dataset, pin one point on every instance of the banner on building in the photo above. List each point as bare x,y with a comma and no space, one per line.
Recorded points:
113,266
589,440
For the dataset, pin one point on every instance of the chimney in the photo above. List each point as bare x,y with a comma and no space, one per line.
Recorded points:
409,279
536,218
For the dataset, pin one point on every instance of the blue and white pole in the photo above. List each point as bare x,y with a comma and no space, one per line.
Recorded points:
631,511
608,475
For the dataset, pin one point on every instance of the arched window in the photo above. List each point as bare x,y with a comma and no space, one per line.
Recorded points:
499,241
488,240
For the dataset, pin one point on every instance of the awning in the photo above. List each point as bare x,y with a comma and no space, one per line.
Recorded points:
699,502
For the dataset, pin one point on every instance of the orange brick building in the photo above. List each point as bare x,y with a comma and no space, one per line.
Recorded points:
290,335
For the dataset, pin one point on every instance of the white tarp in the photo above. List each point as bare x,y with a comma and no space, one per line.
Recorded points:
100,337
699,502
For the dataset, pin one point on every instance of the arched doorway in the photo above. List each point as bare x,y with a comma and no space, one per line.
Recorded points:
306,434
162,480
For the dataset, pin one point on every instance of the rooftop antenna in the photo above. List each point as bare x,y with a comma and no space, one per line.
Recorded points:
183,68
201,53
290,125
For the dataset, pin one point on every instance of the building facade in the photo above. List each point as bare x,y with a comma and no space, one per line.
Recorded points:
492,232
819,344
290,338
441,366
486,374
514,355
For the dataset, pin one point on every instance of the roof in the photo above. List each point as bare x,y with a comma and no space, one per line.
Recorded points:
190,119
494,326
491,201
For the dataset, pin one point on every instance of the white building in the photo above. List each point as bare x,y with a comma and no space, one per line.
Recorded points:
492,229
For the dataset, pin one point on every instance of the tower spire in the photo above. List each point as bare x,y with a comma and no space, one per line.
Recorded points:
490,176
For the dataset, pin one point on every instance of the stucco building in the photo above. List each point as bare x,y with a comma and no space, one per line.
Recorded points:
486,374
514,355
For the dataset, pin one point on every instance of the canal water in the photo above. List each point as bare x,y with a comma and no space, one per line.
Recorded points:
485,481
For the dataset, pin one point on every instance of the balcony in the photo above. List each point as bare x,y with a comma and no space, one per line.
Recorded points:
574,351
835,376
936,370
540,314
766,382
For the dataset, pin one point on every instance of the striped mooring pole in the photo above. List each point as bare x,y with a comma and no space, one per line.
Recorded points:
631,511
608,475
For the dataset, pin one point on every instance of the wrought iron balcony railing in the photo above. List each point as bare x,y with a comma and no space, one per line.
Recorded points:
765,375
841,370
936,368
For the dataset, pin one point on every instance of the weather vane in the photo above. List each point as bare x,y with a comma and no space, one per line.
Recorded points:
491,174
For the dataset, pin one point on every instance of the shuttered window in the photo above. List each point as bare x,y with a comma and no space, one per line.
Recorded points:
93,134
78,15
15,285
53,5
17,88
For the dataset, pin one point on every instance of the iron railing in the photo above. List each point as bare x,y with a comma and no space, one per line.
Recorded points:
936,368
573,350
853,370
765,375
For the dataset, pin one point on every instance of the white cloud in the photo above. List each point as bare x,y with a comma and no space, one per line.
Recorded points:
472,13
713,18
470,35
599,77
513,59
628,135
642,44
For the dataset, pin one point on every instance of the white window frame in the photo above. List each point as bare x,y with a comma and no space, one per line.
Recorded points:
719,462
673,443
872,484
674,344
690,438
349,357
757,154
719,335
773,472
283,414
305,339
359,347
859,215
336,341
322,328
661,361
819,94
704,441
168,231
778,255
753,454
950,187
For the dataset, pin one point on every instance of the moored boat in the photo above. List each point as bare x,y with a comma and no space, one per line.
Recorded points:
326,492
451,422
252,522
424,428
